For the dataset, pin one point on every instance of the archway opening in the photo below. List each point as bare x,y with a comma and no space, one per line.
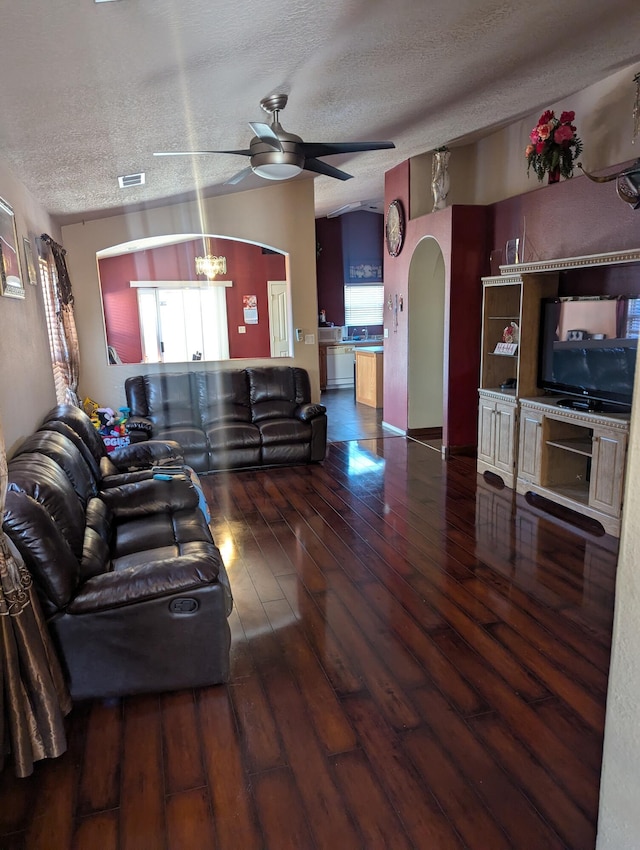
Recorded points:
426,306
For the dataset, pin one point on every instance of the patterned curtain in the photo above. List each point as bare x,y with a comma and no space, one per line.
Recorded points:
63,337
33,696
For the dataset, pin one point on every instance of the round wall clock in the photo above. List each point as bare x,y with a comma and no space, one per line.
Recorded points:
394,228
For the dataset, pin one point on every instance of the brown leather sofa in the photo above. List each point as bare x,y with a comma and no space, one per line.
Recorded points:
132,586
233,418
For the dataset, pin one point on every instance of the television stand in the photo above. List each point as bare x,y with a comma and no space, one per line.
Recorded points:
575,458
580,404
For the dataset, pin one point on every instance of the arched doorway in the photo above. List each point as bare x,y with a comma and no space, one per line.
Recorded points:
426,337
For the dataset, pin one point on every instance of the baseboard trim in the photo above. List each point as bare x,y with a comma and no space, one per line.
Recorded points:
393,428
466,451
425,433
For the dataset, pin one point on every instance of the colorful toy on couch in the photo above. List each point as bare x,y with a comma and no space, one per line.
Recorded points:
112,427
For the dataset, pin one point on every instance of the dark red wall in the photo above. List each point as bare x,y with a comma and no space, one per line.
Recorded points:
567,219
247,266
329,269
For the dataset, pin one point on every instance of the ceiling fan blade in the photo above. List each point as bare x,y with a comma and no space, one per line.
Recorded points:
238,177
323,168
198,153
266,134
314,149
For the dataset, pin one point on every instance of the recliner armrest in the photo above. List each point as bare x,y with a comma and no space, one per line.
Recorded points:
146,454
158,578
140,423
308,411
151,496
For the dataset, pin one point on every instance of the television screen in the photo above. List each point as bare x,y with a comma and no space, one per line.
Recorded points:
588,347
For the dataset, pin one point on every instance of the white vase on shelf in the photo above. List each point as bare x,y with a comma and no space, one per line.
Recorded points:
440,177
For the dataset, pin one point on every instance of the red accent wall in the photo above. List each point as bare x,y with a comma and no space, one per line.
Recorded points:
247,266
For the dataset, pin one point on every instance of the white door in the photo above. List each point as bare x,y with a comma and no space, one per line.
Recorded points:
279,321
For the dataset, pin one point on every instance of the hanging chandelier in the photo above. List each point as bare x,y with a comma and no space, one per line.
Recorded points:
211,266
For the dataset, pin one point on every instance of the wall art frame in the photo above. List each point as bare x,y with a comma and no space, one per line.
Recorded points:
11,284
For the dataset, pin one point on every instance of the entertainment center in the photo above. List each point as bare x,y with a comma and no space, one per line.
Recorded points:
568,448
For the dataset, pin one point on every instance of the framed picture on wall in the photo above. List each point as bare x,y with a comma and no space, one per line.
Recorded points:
10,279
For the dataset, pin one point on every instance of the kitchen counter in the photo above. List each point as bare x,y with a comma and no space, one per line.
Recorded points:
358,343
328,381
375,349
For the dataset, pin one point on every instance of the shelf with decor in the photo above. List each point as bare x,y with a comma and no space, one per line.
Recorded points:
508,364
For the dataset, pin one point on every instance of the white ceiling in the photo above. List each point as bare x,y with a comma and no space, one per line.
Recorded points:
89,91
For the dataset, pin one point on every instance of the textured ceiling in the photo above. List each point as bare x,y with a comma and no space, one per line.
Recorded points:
90,90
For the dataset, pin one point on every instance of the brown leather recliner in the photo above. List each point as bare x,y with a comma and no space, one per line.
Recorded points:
232,418
133,588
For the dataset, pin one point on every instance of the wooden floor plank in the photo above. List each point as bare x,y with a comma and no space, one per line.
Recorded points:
586,705
454,794
100,780
257,726
375,817
190,821
181,738
311,616
229,786
280,809
327,715
422,818
566,817
329,819
563,762
142,821
97,831
505,799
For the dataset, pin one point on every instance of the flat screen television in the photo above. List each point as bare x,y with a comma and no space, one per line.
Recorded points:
588,347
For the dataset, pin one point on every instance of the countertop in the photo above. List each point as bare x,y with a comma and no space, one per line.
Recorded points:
356,343
372,349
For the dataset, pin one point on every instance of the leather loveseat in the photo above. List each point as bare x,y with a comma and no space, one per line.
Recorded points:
132,586
232,418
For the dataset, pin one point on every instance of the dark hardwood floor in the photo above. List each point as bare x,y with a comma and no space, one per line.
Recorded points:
419,660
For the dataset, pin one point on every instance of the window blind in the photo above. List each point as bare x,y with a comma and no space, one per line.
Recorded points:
363,304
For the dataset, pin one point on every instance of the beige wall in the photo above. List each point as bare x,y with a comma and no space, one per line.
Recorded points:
26,380
279,216
619,817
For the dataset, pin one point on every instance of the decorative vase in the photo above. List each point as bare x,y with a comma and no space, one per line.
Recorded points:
553,175
440,178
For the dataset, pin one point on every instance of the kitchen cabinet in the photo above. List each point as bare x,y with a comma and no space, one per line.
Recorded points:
574,458
369,375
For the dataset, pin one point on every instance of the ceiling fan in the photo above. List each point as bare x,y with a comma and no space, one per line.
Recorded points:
278,155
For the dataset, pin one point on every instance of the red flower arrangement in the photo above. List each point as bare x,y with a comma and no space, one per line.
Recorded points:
554,146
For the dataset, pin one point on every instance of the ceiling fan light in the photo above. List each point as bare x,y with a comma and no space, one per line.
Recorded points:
277,170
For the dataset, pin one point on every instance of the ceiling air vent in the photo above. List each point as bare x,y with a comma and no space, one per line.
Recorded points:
131,180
